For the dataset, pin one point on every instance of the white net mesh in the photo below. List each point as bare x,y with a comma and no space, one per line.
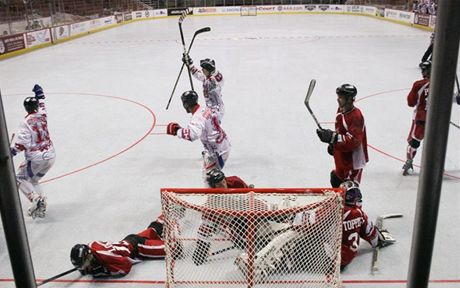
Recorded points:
262,238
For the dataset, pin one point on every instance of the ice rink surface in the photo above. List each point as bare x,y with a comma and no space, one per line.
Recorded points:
106,99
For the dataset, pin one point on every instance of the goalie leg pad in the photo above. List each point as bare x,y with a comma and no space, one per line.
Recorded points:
273,255
134,240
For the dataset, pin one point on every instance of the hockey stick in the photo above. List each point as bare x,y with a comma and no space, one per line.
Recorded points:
181,19
307,101
202,30
222,250
379,224
57,276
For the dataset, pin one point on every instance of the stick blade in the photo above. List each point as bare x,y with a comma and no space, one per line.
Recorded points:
311,87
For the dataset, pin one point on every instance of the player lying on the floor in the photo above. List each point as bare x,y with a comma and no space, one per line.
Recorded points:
101,259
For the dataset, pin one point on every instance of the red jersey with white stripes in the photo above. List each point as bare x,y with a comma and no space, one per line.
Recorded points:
418,98
350,150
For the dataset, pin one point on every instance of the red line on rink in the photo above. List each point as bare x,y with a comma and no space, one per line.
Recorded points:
161,282
116,154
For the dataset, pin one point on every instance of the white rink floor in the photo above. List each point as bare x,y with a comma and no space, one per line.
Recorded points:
107,94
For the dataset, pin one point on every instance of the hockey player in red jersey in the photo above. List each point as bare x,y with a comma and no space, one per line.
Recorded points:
417,98
356,225
102,259
217,179
348,143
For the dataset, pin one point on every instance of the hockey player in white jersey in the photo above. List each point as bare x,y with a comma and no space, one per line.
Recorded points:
212,83
204,125
34,139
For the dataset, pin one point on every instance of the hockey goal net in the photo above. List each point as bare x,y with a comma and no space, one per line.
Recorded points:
248,10
252,237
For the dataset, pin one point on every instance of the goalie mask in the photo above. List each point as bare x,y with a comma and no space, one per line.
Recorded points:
31,104
347,90
189,100
353,196
208,64
214,177
79,255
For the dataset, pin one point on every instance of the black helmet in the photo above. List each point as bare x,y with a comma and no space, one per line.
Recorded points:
31,104
189,100
347,90
78,254
426,68
214,176
208,64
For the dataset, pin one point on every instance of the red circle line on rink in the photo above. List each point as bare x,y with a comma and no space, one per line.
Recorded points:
114,155
380,150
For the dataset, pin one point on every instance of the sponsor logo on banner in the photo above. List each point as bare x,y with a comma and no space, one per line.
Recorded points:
139,14
119,17
230,9
12,43
291,8
207,10
432,21
391,14
323,7
38,37
177,11
147,14
422,19
127,16
265,8
355,9
161,12
310,7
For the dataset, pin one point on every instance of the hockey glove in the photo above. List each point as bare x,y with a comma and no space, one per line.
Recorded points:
327,135
330,149
384,238
38,92
187,60
172,128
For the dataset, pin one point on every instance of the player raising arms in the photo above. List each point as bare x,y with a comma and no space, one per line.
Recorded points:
34,139
212,83
203,125
348,143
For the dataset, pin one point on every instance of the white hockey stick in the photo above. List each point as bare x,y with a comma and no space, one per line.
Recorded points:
307,101
379,224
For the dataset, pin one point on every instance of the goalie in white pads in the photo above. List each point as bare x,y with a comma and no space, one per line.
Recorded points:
356,225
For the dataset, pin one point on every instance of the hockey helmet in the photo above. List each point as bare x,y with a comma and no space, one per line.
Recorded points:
78,254
208,64
426,68
189,100
352,192
347,90
31,104
214,177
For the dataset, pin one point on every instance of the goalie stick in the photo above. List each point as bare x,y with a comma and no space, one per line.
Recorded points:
307,101
202,30
57,276
379,225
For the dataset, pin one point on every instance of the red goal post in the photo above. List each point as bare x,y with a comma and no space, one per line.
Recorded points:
259,237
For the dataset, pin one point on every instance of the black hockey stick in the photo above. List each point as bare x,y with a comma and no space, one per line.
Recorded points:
181,19
57,276
222,251
379,225
307,101
202,30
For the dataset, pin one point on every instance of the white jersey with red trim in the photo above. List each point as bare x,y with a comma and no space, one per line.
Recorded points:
33,137
212,89
205,125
